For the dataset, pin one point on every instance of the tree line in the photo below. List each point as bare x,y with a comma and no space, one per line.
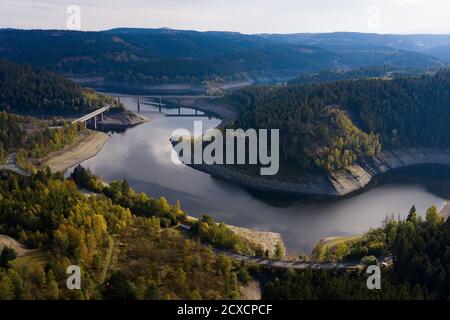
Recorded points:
421,264
63,227
328,126
33,139
24,89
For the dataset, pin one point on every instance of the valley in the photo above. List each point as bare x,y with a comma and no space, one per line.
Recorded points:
87,179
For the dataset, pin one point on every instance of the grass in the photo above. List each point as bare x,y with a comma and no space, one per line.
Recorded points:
332,242
329,248
34,258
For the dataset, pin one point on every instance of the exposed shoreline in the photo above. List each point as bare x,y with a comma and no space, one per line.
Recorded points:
340,184
84,149
90,145
343,183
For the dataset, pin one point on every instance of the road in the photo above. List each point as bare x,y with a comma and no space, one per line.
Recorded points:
107,262
92,114
278,264
11,165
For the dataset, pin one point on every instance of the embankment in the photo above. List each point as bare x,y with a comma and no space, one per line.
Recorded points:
342,183
85,148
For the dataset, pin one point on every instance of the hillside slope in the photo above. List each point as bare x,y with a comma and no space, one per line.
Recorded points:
333,125
165,55
33,90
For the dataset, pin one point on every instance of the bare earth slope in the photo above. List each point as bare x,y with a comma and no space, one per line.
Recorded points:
86,148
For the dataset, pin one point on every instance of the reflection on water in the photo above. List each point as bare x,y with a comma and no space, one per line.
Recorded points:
142,155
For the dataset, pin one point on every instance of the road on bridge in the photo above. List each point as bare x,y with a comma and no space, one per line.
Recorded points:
92,114
297,265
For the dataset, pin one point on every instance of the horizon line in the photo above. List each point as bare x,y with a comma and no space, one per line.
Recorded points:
225,31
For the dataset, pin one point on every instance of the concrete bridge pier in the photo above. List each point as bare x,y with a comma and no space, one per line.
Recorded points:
94,116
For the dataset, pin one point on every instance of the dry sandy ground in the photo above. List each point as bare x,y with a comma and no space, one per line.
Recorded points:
87,147
6,241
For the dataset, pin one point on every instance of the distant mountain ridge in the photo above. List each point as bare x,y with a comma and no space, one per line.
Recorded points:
410,42
166,55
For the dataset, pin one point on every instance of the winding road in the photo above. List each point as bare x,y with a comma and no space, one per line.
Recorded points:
11,165
298,265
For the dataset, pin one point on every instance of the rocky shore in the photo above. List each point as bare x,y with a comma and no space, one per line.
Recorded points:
358,176
342,183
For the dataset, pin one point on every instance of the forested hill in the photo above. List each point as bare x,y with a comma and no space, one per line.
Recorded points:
356,74
24,89
165,55
329,126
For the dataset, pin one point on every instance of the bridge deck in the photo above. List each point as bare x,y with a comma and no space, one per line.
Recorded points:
92,114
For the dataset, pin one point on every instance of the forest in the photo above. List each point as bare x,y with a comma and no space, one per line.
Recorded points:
332,75
140,204
150,260
174,56
62,227
421,264
36,91
328,126
33,139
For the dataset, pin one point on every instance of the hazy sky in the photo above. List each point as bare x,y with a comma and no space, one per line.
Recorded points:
247,16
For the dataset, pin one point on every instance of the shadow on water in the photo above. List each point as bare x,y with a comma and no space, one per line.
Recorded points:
433,178
276,200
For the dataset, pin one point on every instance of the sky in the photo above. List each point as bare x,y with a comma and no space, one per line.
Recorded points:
245,16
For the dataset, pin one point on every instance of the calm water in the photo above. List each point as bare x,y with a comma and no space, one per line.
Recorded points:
142,155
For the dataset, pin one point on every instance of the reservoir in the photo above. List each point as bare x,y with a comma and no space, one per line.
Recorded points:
142,155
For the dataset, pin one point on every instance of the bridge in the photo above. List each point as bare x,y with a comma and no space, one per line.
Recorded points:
180,115
93,115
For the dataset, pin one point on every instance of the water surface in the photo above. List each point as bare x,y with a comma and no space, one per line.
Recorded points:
142,156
